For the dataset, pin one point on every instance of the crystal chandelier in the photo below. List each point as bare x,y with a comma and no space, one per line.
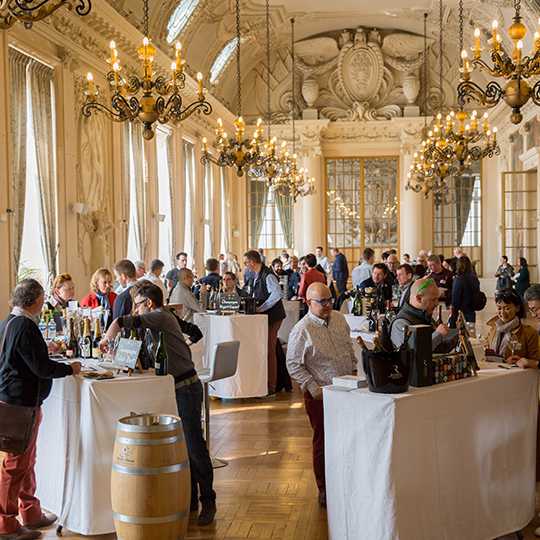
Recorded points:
516,70
161,100
30,11
244,153
292,181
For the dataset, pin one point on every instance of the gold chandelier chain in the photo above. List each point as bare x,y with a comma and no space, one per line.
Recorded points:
293,87
238,72
441,52
268,103
425,68
145,18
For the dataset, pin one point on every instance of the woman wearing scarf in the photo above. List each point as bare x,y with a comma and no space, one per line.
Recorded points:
508,337
63,291
26,374
101,294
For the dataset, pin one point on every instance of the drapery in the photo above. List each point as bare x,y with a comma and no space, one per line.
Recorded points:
216,210
172,174
258,194
189,199
18,64
40,78
464,186
137,142
284,205
225,212
208,237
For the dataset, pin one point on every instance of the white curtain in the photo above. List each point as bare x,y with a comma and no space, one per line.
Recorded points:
40,79
189,198
18,64
140,185
208,246
225,211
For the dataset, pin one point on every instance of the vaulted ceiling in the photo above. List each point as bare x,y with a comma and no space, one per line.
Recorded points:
212,25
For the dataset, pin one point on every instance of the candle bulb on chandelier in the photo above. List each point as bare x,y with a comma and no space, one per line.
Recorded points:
178,53
494,35
477,46
200,85
91,89
517,51
536,41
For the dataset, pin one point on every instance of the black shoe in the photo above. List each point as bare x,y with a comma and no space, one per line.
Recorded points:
47,519
322,499
22,534
207,515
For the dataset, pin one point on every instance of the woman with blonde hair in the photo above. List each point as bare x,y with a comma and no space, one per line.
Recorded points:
63,291
101,293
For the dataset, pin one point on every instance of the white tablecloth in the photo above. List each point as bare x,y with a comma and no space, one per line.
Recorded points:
251,379
451,462
76,440
292,310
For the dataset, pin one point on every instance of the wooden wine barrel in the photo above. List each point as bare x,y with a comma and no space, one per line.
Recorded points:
150,481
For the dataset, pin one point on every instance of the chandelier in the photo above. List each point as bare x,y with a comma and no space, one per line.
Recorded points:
160,100
292,181
516,70
244,153
30,11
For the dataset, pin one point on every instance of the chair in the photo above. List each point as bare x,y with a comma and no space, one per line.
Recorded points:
223,363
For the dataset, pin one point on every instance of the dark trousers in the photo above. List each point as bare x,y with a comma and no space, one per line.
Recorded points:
315,412
283,377
341,285
189,400
273,329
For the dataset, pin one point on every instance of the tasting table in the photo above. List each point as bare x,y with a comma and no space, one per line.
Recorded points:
76,440
251,378
454,461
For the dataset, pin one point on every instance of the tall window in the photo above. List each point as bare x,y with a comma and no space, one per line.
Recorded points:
458,216
189,187
34,172
362,206
222,59
224,202
270,218
163,142
180,17
208,202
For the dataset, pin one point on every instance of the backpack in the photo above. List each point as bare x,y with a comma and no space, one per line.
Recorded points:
479,300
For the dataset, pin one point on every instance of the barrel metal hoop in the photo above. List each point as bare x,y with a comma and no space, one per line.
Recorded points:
131,428
150,442
140,520
150,471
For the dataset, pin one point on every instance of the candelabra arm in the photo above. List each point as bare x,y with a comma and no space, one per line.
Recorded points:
122,109
468,91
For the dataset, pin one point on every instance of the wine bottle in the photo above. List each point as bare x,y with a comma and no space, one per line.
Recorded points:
72,348
161,360
439,320
86,341
96,351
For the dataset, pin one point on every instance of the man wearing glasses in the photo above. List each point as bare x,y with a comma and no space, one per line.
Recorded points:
319,349
150,314
424,298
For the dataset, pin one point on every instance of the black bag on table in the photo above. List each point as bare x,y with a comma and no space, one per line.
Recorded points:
387,372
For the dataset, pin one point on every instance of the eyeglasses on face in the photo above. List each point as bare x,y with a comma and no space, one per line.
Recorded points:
323,301
140,302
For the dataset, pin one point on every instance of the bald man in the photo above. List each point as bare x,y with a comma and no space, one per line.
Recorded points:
319,348
419,310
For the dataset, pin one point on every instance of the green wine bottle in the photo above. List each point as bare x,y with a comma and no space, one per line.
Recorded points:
162,361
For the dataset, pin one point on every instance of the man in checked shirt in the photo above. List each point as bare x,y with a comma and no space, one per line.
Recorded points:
319,348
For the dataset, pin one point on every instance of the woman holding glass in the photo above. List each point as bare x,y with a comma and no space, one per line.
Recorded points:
508,336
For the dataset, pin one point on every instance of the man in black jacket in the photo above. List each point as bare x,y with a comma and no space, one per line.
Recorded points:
340,270
264,287
26,375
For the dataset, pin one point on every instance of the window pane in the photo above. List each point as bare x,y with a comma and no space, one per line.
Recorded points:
222,59
180,18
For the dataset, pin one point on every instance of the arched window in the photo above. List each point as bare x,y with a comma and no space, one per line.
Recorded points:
222,59
180,17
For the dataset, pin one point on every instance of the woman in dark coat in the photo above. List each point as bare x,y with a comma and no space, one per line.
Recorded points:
521,277
464,289
26,374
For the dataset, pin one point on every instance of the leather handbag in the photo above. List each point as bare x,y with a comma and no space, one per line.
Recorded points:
16,421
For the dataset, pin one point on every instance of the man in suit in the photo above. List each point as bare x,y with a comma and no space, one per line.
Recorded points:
340,270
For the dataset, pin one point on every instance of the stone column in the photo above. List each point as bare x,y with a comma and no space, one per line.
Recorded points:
415,211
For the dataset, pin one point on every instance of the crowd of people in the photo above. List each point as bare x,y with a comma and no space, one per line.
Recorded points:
137,297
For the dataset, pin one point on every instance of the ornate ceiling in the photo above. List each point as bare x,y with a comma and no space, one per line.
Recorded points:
212,26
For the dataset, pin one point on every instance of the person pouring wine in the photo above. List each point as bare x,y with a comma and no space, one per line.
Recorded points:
150,314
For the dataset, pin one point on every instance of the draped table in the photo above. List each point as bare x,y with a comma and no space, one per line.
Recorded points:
251,378
76,440
454,461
